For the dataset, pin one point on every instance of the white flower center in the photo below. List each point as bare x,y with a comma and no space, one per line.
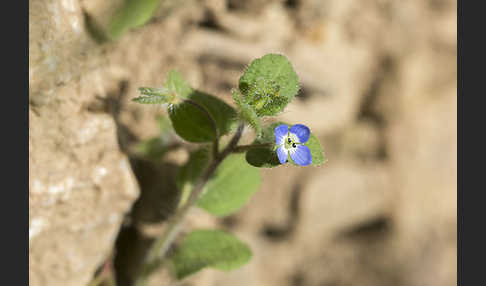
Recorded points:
290,142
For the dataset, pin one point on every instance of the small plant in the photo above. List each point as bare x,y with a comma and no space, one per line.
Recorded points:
221,179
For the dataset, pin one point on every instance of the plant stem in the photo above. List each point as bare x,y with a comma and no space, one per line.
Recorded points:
243,148
162,245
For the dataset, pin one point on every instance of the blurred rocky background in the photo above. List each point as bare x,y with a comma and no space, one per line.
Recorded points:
378,87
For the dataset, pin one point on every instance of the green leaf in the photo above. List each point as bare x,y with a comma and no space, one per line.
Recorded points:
231,186
195,165
173,92
223,114
132,14
191,123
264,157
176,83
315,147
209,248
247,113
317,154
154,95
269,84
154,99
151,91
187,174
229,189
202,117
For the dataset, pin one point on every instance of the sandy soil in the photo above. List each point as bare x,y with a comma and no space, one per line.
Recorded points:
378,87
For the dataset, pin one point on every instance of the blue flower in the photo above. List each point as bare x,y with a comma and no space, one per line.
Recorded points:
291,142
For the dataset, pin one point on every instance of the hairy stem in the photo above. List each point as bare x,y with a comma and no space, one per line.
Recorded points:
243,148
162,245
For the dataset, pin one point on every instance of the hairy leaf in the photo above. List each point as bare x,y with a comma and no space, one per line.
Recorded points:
176,84
247,113
264,157
173,92
209,248
269,84
231,187
192,169
317,153
132,14
153,99
202,117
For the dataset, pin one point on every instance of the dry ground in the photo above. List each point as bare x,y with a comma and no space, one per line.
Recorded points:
378,87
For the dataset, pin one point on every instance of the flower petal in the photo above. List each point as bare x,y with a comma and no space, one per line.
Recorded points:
301,131
282,155
301,155
280,133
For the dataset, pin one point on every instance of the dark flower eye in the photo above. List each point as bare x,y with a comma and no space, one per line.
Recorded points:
290,141
294,145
